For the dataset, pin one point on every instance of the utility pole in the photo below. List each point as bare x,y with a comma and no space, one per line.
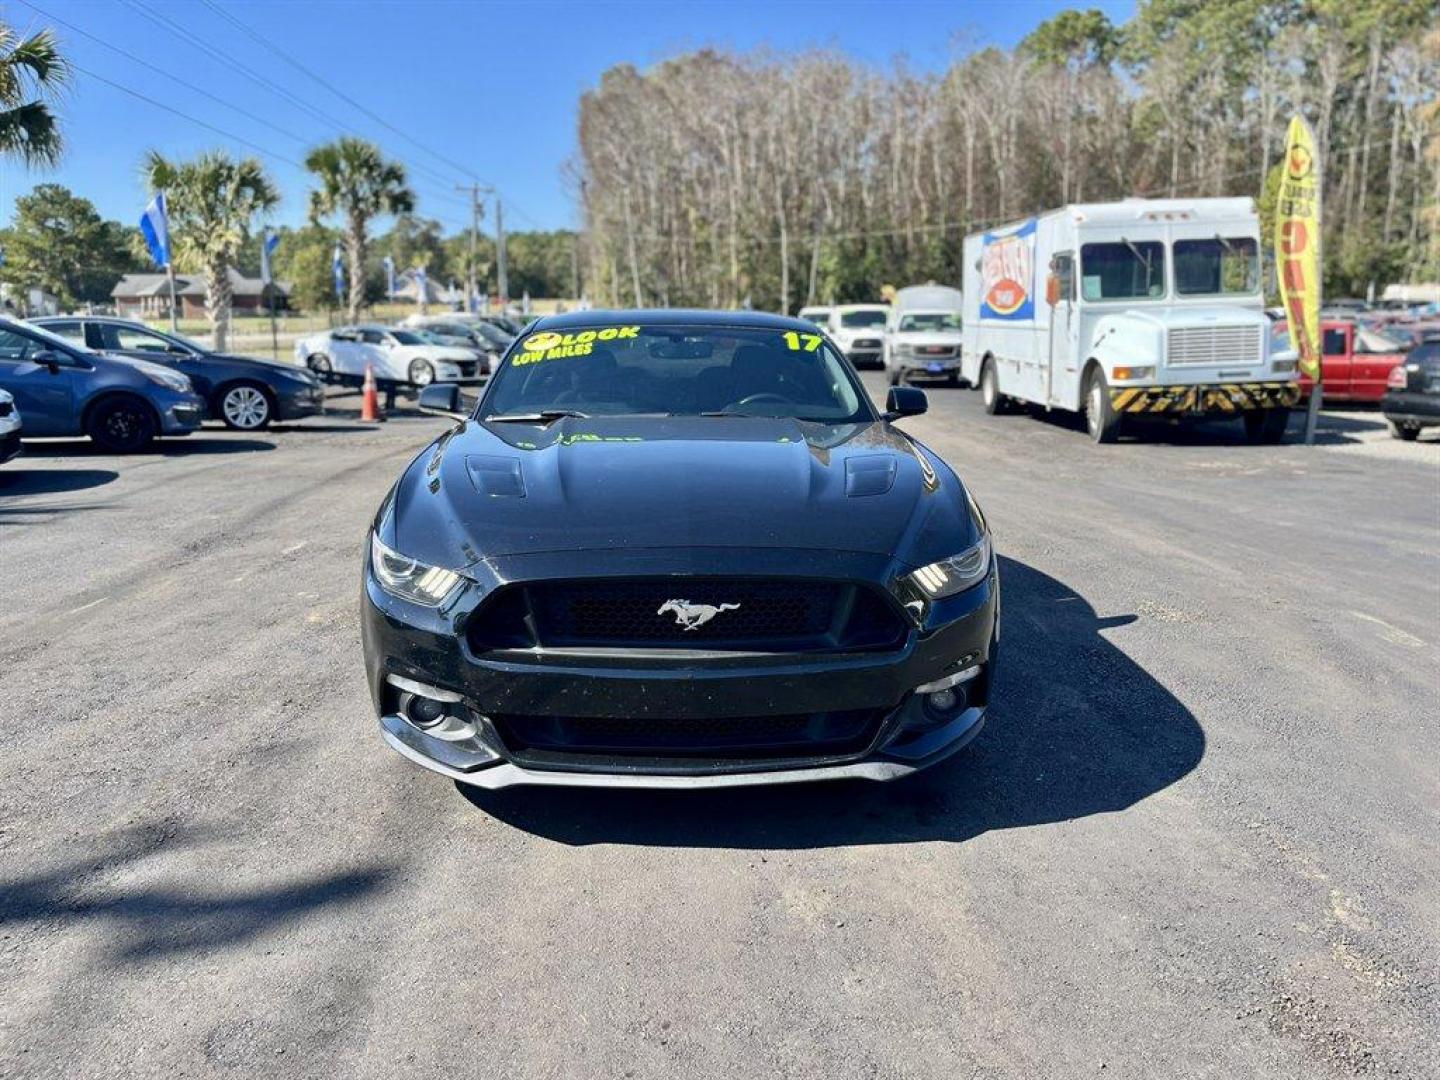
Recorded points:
502,280
477,211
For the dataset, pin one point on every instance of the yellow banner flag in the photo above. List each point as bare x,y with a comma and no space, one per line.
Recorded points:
1297,244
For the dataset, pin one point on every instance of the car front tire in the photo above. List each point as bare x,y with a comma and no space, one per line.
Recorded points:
1408,432
244,407
319,363
422,372
122,425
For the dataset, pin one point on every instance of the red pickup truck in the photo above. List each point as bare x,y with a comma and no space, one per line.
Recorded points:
1356,361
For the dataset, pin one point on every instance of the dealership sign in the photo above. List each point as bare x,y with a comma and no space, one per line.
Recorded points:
1007,273
1297,244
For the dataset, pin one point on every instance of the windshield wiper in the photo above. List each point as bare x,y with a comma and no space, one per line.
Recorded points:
544,416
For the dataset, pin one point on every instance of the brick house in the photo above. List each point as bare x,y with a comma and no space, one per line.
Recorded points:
147,296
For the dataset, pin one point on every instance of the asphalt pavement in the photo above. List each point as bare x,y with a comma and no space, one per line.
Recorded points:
1198,837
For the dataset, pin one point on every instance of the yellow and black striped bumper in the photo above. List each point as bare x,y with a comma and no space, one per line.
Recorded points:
1221,399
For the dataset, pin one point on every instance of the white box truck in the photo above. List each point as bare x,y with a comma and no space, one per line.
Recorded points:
922,334
1146,306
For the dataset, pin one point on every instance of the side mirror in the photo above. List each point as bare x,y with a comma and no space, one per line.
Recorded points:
442,399
1052,289
905,401
48,360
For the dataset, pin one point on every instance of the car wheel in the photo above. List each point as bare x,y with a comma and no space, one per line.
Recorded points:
422,372
1267,426
990,389
1101,419
244,407
122,425
1408,432
319,363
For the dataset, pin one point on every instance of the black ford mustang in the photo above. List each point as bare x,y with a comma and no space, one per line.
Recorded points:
677,549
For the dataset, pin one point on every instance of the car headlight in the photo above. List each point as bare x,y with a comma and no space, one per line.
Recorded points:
171,380
955,574
410,579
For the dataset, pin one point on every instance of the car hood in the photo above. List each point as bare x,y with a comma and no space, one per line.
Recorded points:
503,489
258,365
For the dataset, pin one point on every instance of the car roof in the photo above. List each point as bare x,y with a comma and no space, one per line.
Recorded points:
752,320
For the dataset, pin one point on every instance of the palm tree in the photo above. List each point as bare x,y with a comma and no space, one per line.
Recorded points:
357,184
212,202
31,69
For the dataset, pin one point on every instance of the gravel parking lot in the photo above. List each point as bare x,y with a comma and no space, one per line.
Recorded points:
1197,839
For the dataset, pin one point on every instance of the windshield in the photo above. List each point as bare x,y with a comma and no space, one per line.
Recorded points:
862,318
1222,266
407,337
1128,270
819,318
677,371
930,320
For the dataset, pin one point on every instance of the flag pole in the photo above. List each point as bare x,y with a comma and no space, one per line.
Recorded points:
174,317
1317,392
274,334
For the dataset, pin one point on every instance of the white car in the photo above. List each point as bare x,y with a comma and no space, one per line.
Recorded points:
9,427
820,316
397,355
859,330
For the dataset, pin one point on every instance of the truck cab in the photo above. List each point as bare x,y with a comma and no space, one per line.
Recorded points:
922,334
1354,361
1145,306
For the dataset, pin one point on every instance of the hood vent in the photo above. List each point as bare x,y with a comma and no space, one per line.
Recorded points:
496,477
873,474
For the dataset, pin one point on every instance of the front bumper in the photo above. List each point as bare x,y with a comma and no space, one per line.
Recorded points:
1216,399
1410,407
292,404
9,444
180,414
428,647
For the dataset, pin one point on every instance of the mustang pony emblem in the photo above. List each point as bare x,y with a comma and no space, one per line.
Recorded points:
690,616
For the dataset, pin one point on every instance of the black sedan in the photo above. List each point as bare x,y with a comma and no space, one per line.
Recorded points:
247,394
1412,395
677,549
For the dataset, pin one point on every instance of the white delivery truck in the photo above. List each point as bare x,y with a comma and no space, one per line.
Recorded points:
1146,306
922,335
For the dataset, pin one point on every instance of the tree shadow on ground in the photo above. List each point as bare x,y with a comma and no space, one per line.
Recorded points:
15,482
152,920
1075,728
185,446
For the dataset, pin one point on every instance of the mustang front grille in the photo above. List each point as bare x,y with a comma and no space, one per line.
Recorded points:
676,612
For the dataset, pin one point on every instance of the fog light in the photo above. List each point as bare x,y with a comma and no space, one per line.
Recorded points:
941,701
425,712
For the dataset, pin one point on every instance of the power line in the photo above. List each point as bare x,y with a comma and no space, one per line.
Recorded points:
265,83
307,70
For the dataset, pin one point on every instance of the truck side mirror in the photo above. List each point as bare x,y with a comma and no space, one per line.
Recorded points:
1052,289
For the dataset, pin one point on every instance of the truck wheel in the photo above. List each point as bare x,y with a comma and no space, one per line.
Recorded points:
990,389
122,425
1267,426
1408,432
1101,419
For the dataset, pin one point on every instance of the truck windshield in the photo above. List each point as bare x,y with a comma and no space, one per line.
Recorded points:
1128,270
862,318
1222,266
669,370
930,320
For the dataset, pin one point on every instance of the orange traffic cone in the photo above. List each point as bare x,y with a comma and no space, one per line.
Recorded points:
370,399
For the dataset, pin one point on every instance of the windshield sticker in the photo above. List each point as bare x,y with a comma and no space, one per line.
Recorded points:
805,342
549,345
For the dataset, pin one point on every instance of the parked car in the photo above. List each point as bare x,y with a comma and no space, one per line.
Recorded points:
820,316
506,324
399,356
1355,363
922,336
677,549
9,427
246,393
458,331
64,388
1412,395
859,330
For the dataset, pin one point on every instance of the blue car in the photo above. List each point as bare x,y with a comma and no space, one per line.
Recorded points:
247,394
63,388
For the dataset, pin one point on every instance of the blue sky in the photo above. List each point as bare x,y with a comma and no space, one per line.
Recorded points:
491,87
